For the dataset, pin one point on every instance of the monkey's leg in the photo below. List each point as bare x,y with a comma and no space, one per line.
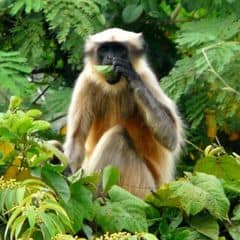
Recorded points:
116,148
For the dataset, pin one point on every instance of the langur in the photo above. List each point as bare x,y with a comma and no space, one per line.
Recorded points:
124,119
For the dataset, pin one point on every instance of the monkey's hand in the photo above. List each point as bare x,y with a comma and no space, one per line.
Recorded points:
125,68
157,116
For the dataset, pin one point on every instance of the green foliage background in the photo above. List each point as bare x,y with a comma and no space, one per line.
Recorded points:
194,50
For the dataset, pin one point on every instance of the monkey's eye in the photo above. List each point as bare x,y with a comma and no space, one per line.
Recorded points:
101,53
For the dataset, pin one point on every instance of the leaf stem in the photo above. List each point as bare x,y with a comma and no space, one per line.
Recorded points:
204,52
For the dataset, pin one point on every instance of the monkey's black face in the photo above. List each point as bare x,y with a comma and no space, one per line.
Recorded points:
107,53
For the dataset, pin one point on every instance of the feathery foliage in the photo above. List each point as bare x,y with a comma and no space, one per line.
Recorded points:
206,79
78,19
13,74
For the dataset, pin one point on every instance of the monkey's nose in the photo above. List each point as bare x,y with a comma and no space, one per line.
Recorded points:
108,60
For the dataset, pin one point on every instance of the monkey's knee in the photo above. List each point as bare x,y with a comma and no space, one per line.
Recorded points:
116,148
113,132
108,150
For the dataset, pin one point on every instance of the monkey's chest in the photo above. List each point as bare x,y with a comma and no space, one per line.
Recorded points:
131,121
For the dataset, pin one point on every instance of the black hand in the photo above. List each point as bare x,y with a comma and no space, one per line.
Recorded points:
125,68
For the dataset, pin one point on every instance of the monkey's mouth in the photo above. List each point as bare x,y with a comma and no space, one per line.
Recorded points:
113,78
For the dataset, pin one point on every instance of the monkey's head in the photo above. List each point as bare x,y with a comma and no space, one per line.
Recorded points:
102,48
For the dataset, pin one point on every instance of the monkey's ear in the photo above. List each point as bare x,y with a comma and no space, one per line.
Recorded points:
144,45
140,35
89,45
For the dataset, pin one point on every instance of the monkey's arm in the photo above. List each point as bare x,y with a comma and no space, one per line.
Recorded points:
157,115
79,121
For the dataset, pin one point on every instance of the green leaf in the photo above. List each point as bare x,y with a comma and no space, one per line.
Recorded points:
44,231
205,225
23,125
111,176
104,69
217,202
88,231
11,198
20,193
61,226
236,213
234,231
147,236
193,194
84,197
31,216
225,167
171,219
16,7
118,194
192,199
48,223
37,5
6,134
15,102
131,13
17,226
34,113
57,182
39,125
186,233
15,215
79,206
124,211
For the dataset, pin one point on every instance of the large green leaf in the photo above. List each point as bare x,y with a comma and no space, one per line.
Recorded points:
234,231
205,225
131,13
79,206
225,167
57,182
193,194
170,220
110,177
186,233
216,200
123,212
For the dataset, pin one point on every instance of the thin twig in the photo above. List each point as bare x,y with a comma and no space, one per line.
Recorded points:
194,145
212,68
176,12
41,94
58,117
218,141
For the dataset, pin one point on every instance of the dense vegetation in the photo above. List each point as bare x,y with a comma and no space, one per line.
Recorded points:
194,47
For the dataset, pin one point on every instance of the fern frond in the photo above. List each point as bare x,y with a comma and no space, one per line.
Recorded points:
26,5
207,80
72,21
195,106
13,74
29,37
198,33
180,79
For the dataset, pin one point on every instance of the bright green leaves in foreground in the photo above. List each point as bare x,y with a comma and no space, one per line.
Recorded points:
201,197
123,211
13,74
225,167
193,194
31,203
20,145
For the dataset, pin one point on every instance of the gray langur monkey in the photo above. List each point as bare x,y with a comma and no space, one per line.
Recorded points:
124,120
